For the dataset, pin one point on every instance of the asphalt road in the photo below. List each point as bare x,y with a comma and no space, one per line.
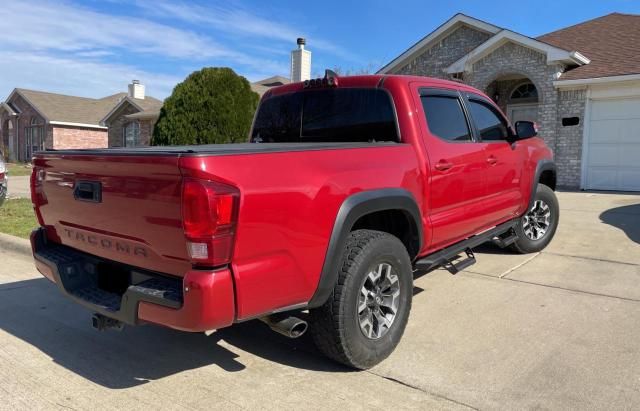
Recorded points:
558,329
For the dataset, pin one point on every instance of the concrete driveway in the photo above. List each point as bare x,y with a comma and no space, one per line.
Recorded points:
19,187
557,329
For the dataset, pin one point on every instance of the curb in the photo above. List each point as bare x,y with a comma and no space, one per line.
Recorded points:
15,244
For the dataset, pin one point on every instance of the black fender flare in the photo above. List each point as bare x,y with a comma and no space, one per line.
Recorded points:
542,166
354,207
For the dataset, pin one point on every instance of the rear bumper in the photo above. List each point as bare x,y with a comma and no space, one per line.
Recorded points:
202,300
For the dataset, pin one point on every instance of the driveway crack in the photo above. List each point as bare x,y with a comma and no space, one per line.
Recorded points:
512,269
433,394
604,260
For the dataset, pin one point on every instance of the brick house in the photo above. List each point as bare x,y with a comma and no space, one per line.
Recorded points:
581,84
36,120
131,120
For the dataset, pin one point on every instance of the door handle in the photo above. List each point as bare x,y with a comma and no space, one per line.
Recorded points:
88,191
492,160
443,165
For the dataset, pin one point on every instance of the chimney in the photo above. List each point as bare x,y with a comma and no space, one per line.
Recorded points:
300,62
136,90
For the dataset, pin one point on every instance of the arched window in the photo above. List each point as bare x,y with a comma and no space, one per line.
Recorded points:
35,121
524,92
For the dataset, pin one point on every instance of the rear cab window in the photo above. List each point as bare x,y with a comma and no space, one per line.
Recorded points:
445,118
327,115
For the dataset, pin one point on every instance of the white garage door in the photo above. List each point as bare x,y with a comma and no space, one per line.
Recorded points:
613,156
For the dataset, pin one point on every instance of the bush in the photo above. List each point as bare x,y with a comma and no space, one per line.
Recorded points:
211,106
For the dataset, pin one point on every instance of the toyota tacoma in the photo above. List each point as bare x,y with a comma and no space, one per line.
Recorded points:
345,188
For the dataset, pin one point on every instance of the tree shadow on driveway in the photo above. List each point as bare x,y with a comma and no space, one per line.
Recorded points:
626,218
35,312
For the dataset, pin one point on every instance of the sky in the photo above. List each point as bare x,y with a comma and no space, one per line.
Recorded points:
94,48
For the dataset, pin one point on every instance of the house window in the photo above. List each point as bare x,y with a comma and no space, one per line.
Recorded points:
132,134
524,92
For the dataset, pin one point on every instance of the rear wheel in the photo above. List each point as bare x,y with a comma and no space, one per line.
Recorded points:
364,318
537,227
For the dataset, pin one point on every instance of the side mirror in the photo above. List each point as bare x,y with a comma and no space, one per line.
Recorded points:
526,129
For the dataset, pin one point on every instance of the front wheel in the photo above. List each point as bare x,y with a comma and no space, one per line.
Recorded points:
364,318
538,225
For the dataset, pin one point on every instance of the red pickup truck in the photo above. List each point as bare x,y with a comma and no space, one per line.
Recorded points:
346,187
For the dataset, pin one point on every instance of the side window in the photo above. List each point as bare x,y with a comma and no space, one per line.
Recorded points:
445,117
488,122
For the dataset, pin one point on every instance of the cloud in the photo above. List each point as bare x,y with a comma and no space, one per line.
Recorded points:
80,78
239,21
78,48
72,49
69,28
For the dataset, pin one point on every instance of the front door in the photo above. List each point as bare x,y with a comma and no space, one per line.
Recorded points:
503,157
522,112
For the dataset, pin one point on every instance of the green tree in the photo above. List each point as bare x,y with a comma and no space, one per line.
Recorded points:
213,105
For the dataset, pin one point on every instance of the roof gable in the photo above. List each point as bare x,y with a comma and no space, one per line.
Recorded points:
438,34
554,54
142,105
611,42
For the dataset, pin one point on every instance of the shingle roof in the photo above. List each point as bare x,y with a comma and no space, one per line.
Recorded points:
611,42
274,81
148,103
83,110
261,86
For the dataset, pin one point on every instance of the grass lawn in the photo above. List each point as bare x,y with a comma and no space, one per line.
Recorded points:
17,217
18,169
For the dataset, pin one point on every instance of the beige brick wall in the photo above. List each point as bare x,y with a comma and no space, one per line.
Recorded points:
79,137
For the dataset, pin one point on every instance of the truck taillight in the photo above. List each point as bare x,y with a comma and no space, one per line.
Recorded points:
38,198
209,215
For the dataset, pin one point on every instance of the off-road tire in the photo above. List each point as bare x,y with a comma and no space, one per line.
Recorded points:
335,326
526,244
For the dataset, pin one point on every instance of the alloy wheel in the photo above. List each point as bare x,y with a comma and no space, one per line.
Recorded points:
378,301
537,221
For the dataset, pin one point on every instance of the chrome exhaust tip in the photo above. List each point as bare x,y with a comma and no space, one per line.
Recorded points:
289,326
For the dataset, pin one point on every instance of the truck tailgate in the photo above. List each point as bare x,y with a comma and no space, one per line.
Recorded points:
125,208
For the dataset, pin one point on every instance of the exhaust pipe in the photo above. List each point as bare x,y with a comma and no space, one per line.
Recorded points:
289,326
103,323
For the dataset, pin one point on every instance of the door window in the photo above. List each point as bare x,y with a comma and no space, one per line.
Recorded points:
489,123
445,117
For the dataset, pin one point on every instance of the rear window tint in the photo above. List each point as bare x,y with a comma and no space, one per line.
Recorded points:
326,115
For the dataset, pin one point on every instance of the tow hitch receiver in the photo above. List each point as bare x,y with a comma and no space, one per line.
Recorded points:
103,323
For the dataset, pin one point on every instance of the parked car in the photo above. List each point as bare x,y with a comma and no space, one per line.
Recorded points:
3,179
346,187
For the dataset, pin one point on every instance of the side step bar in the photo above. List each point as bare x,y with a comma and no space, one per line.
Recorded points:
447,257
